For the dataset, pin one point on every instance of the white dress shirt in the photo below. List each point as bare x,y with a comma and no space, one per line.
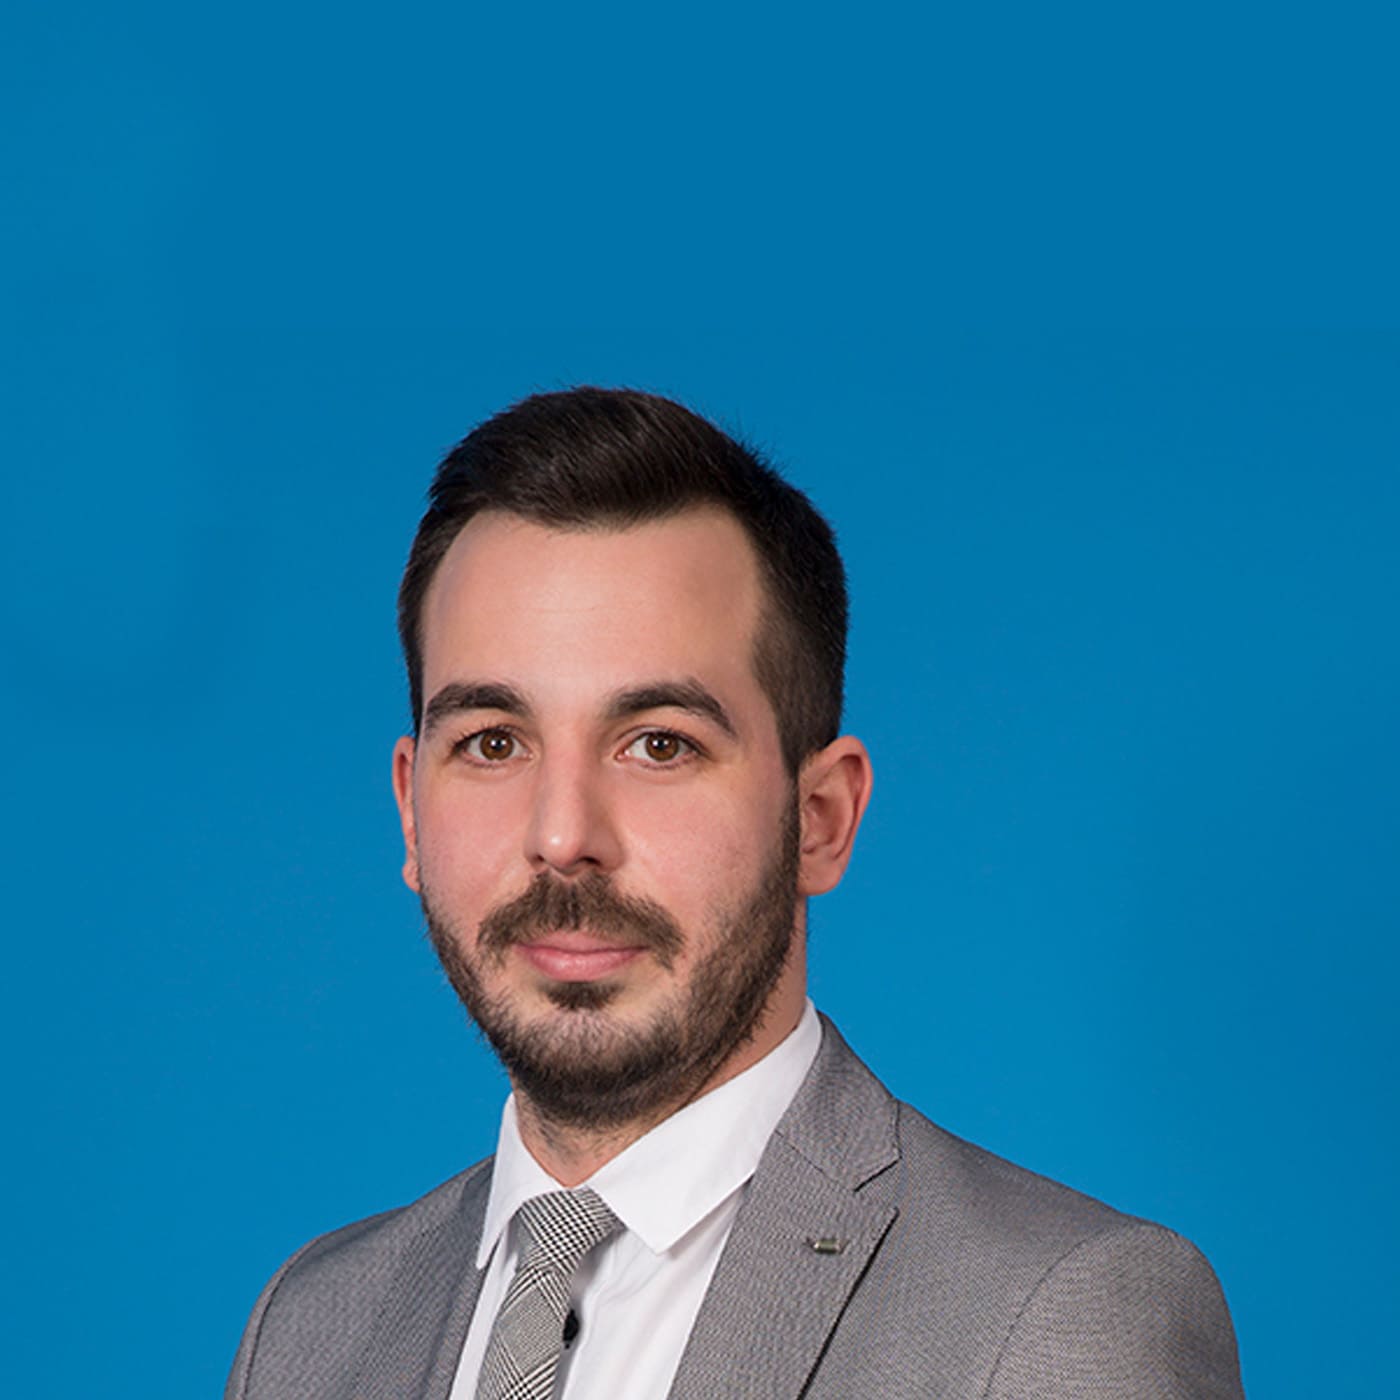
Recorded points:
676,1191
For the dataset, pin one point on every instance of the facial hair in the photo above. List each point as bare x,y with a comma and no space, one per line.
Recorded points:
586,1070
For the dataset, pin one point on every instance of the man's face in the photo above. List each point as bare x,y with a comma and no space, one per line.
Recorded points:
597,814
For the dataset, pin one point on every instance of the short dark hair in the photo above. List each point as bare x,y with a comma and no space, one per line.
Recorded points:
590,458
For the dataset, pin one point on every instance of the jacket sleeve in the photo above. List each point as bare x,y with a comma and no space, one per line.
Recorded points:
1131,1314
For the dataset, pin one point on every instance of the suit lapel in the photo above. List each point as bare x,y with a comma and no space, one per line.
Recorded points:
810,1222
416,1340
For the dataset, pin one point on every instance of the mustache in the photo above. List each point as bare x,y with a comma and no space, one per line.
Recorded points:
591,902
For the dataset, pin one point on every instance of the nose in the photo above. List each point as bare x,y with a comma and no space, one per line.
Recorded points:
572,828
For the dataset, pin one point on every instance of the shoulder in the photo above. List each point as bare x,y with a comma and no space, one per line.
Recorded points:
1014,1219
1049,1241
1135,1310
847,1122
361,1248
1057,1293
1007,1210
334,1287
1034,1289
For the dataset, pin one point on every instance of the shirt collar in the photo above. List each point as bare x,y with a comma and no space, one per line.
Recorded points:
671,1178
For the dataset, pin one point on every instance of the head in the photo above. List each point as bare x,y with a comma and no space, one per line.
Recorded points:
625,774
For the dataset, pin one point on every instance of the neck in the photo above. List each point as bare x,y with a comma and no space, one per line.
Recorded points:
573,1152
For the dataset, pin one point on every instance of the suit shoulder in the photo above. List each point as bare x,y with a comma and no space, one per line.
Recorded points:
997,1196
347,1250
1134,1310
1024,1228
1089,1300
334,1285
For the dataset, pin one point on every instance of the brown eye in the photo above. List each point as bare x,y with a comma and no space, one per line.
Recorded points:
659,747
494,745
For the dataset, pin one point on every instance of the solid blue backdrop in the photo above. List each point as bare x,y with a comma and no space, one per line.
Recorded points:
1124,594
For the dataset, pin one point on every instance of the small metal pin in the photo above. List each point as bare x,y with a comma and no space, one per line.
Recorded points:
827,1244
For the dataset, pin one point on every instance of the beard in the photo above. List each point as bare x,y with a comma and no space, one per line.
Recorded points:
585,1069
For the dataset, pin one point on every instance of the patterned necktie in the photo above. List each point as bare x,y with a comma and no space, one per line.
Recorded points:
522,1353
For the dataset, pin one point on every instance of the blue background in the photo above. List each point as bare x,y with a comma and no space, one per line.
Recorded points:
1080,322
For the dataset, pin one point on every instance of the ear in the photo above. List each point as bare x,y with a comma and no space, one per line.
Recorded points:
834,787
404,750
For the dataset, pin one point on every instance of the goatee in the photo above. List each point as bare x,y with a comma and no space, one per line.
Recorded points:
586,1069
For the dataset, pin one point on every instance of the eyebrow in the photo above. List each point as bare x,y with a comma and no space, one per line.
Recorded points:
688,695
460,696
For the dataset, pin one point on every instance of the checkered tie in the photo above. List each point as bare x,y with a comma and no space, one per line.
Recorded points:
522,1354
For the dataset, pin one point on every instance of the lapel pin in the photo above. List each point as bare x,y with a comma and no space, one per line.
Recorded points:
827,1244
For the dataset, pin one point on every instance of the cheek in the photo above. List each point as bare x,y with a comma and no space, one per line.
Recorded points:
695,859
463,843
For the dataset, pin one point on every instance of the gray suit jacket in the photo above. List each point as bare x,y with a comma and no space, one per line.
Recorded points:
954,1274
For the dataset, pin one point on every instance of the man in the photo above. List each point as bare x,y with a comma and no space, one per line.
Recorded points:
625,638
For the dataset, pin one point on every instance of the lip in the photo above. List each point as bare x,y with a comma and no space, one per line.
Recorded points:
576,957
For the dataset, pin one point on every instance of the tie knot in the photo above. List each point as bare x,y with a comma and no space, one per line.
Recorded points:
560,1228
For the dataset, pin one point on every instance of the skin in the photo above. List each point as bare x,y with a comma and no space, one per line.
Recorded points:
563,767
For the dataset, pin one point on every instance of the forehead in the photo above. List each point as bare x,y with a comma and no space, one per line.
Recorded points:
534,603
